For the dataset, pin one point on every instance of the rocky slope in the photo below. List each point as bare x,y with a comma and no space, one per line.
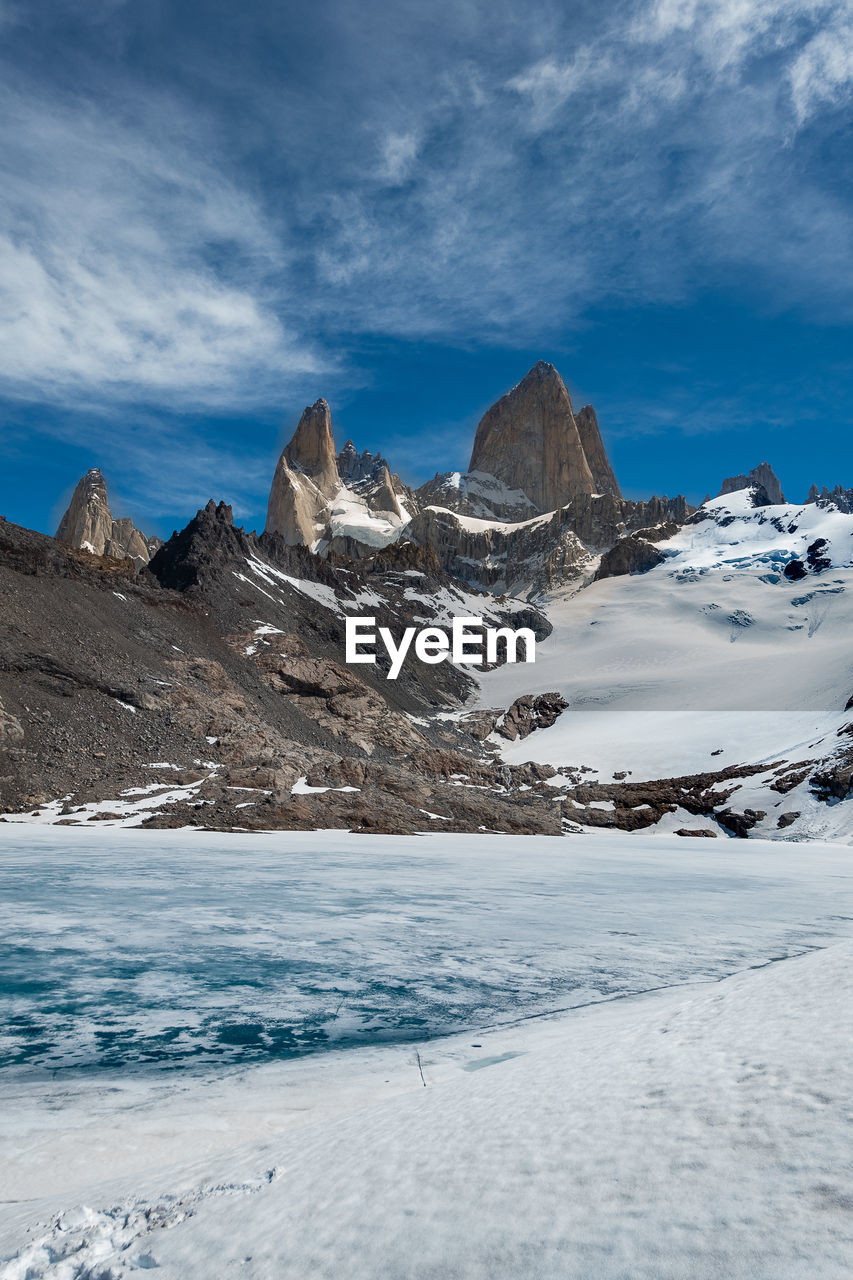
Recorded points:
211,689
544,553
89,525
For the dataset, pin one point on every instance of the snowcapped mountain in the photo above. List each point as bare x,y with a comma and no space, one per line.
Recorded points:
733,649
692,672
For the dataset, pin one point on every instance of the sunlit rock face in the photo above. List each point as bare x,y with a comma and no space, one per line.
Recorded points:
306,478
530,441
89,524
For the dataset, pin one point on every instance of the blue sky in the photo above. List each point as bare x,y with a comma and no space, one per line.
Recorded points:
211,214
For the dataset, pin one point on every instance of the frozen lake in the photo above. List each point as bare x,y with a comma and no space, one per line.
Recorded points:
152,950
169,1101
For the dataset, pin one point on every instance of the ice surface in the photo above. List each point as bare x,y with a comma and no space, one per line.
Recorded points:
698,1130
159,949
476,525
350,516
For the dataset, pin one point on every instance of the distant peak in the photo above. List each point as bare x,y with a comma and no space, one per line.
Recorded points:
89,524
542,369
762,478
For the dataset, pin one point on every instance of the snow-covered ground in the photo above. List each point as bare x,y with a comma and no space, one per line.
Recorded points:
712,658
630,1086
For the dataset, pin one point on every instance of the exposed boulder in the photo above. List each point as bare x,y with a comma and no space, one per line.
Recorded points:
11,730
740,824
529,713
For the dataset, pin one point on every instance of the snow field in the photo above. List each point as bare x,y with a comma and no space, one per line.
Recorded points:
702,1132
711,659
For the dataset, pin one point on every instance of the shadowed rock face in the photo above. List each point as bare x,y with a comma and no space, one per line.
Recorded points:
530,441
545,553
596,456
88,524
762,478
383,497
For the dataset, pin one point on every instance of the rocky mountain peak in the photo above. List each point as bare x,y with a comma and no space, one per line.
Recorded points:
839,496
530,441
596,454
306,479
542,370
354,466
761,478
89,525
312,448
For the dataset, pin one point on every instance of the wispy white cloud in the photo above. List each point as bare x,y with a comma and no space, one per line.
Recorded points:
822,73
129,264
422,183
398,152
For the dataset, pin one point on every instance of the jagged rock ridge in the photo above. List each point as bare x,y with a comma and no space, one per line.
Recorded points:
839,496
347,503
765,482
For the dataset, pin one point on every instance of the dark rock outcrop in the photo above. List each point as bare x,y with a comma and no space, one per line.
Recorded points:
531,712
740,824
635,553
761,478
